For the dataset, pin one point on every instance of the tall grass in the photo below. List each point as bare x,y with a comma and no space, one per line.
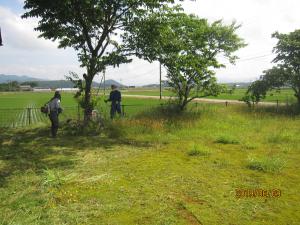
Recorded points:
266,164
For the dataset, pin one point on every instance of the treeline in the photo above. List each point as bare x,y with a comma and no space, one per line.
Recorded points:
15,85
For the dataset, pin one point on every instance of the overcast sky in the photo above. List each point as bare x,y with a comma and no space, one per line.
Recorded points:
25,54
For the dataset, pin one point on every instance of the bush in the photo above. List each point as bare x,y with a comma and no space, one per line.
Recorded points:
78,128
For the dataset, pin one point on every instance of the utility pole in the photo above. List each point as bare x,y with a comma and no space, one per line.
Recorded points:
160,89
0,38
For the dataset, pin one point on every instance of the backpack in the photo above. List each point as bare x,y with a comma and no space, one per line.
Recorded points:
45,109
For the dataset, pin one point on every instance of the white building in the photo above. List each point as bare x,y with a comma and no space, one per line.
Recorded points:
41,89
67,89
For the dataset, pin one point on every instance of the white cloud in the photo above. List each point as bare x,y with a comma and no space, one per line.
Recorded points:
24,53
259,19
51,72
18,33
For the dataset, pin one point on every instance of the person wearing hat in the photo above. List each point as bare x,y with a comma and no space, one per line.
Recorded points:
115,99
54,110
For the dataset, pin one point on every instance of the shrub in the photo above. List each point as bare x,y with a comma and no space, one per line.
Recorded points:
77,128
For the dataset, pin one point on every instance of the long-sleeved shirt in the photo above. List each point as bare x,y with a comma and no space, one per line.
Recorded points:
54,104
114,96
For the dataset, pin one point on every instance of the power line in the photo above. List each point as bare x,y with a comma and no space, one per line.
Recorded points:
252,58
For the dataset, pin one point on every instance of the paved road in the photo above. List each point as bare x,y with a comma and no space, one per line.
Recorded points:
216,101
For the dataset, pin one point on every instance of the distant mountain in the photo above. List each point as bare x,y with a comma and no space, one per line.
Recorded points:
108,83
20,79
68,84
51,83
164,83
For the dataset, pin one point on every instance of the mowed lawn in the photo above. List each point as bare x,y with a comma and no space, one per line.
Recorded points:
156,168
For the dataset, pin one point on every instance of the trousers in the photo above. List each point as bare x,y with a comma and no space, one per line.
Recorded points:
54,122
115,107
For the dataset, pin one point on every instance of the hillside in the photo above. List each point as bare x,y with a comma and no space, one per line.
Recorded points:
69,84
8,78
50,83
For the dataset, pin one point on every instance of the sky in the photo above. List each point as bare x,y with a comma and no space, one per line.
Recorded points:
24,53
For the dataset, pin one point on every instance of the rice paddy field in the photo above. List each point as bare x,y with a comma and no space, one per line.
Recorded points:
23,108
284,96
210,165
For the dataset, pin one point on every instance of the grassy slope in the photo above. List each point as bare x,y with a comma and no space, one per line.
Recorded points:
152,169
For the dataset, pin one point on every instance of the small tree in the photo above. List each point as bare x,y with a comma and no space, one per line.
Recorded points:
90,27
232,89
188,47
255,93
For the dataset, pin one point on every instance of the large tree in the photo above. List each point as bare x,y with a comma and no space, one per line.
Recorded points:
188,47
288,59
92,28
287,71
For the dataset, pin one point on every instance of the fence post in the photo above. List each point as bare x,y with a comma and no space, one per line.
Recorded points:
277,105
29,115
123,110
226,103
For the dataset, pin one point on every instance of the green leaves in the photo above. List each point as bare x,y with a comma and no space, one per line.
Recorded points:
93,28
287,70
187,46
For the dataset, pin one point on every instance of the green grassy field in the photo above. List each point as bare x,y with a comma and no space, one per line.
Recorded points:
14,112
156,168
14,108
285,95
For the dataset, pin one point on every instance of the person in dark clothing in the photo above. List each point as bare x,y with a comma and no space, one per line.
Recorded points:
54,110
115,99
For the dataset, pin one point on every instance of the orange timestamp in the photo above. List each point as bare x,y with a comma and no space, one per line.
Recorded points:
258,193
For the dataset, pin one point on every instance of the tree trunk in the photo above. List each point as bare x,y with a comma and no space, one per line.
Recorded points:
184,99
87,99
183,103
